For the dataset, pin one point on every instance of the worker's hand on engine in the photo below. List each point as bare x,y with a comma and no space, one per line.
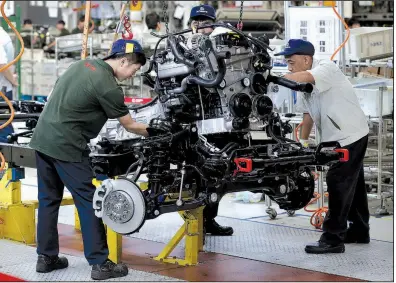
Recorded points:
307,143
159,127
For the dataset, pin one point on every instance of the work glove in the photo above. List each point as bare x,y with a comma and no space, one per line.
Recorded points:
307,143
159,126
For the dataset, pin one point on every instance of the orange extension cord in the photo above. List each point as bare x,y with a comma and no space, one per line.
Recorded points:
2,166
346,27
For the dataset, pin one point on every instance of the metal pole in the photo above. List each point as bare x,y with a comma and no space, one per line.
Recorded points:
18,48
286,17
320,173
342,60
86,29
124,6
380,121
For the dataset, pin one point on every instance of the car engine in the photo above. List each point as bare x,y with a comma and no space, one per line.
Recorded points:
212,131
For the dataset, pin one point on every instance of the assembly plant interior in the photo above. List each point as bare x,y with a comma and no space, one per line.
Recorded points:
197,141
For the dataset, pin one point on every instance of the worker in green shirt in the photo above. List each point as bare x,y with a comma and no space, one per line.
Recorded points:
80,26
82,100
60,26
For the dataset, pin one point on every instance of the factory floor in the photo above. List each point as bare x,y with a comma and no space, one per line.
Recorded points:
261,249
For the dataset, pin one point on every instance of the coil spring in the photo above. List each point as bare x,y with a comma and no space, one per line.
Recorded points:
157,166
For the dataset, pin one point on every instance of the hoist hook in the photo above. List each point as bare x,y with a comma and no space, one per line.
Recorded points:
127,34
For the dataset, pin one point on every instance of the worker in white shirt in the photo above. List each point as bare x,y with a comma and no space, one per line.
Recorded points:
334,108
7,79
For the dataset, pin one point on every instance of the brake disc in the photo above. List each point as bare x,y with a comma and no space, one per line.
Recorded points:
121,205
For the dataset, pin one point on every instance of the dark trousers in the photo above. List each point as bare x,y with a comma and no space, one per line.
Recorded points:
347,196
53,175
210,212
9,129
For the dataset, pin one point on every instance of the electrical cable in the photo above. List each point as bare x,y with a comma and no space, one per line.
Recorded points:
346,27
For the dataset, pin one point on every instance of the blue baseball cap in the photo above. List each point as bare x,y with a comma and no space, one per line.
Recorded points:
299,47
123,46
203,11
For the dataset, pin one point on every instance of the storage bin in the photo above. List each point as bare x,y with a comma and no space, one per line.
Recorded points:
369,42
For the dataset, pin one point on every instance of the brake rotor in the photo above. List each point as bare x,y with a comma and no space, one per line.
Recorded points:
123,206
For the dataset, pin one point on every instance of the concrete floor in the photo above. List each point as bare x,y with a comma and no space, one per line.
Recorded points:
247,220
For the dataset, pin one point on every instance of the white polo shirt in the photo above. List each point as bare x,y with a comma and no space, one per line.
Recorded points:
6,56
333,105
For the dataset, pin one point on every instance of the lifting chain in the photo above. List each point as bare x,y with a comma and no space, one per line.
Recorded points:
165,15
240,24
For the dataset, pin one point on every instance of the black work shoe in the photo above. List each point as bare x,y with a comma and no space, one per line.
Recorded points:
352,237
215,229
47,264
108,270
322,247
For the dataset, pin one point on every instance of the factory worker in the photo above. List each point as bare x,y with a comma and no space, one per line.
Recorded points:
334,108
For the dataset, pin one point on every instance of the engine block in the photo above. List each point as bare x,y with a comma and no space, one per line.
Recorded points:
211,96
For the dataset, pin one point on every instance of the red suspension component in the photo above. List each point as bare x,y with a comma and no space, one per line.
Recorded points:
244,165
345,154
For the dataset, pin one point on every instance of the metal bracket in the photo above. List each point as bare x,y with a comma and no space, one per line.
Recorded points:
192,230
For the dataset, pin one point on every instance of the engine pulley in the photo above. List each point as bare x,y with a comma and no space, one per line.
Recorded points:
258,85
121,205
262,106
240,105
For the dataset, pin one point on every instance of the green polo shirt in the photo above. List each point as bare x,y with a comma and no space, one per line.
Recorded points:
83,98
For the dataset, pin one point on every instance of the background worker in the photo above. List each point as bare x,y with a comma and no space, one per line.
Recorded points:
200,16
153,22
60,26
83,99
7,79
29,35
80,26
334,108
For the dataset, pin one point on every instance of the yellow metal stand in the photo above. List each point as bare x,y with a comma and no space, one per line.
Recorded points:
192,230
17,219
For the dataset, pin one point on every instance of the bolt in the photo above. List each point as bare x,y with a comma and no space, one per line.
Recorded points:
156,212
282,189
260,181
276,178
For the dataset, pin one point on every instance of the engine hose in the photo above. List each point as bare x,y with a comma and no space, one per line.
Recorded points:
182,88
210,83
12,114
271,134
222,54
180,57
303,87
150,68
